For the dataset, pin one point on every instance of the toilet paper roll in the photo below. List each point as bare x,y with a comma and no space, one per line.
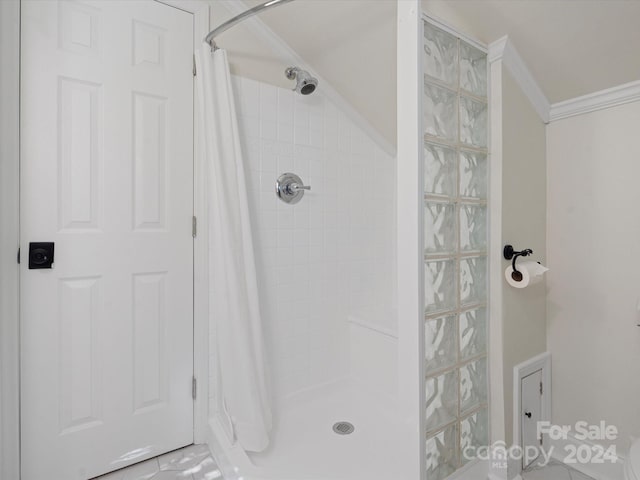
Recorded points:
532,273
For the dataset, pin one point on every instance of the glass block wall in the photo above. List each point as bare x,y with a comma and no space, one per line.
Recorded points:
455,249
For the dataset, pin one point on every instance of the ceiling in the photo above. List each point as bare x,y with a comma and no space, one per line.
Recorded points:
572,47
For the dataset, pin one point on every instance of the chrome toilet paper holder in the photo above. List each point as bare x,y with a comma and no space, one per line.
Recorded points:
510,254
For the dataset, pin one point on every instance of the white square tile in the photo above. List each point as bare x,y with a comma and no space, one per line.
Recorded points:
285,164
554,471
285,133
316,119
301,220
285,238
249,126
173,475
268,218
285,107
117,475
301,237
285,257
285,217
301,255
169,461
300,111
268,239
301,168
268,206
207,470
301,134
194,455
142,471
250,97
269,163
268,102
316,138
268,129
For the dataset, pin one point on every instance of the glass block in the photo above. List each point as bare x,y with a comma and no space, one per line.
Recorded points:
473,333
442,400
473,384
473,280
440,55
439,227
473,70
440,285
440,343
473,175
439,170
441,453
473,227
473,121
440,112
474,433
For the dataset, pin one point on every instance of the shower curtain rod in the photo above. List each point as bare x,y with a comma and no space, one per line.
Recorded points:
238,18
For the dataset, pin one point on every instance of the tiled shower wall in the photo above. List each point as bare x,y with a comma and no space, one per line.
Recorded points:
329,256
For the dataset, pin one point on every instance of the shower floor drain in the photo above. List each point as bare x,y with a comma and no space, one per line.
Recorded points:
343,428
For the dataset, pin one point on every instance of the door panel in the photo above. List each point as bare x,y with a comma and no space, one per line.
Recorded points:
106,174
531,413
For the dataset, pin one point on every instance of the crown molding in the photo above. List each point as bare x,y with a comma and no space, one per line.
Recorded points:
289,56
503,49
610,97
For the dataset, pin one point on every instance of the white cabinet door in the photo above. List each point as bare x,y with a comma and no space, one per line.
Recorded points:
106,174
531,414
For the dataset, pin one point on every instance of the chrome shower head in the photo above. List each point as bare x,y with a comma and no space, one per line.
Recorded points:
305,83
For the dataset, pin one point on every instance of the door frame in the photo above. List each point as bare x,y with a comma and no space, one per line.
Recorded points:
9,239
201,27
10,236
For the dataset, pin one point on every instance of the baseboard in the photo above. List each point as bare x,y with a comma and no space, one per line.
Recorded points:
597,471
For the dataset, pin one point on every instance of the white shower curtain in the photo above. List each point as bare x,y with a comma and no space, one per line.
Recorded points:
233,296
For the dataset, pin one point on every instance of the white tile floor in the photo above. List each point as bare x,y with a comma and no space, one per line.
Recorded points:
554,471
189,463
195,463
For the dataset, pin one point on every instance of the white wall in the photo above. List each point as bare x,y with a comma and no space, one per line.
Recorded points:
594,281
9,165
329,256
524,217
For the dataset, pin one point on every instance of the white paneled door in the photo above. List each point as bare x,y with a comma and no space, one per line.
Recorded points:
107,175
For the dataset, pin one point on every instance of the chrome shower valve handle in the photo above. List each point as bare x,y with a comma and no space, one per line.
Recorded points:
294,187
290,188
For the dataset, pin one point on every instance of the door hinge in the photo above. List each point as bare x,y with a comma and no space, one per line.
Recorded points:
194,64
18,255
194,226
194,387
540,388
